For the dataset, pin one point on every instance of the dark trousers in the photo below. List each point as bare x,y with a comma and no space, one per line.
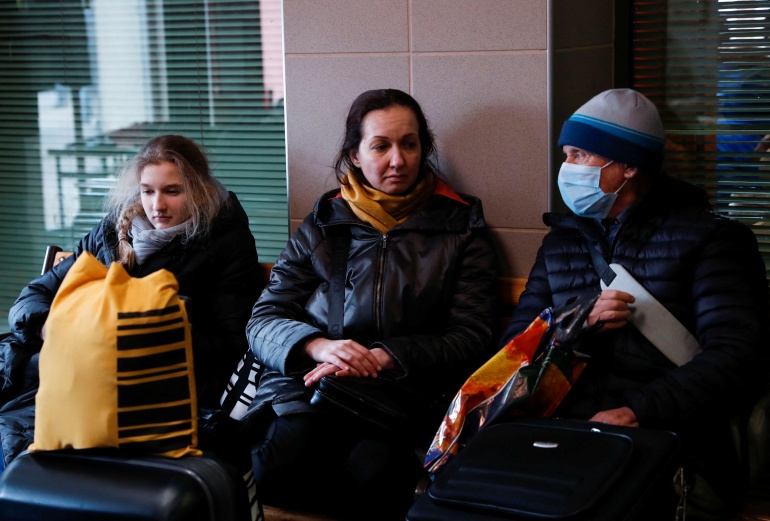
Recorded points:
323,463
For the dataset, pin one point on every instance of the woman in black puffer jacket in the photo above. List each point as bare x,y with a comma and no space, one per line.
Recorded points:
418,305
194,228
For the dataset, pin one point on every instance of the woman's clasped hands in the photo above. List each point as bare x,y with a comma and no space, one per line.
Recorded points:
344,358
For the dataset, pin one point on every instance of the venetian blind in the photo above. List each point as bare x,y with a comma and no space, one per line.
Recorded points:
86,82
706,65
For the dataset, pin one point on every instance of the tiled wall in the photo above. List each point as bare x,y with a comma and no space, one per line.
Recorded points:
480,70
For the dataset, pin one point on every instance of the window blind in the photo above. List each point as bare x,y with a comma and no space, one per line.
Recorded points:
85,83
706,65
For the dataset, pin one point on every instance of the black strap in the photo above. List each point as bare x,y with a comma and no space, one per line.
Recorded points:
592,238
340,243
597,257
601,266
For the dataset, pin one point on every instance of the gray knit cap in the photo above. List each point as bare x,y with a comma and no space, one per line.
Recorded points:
619,124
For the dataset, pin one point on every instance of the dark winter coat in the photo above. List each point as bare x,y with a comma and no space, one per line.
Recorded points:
218,273
423,292
705,269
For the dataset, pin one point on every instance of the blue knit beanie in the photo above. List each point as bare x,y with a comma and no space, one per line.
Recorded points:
619,124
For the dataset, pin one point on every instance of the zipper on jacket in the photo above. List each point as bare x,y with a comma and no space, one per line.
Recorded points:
378,285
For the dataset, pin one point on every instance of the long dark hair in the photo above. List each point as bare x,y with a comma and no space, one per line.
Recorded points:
382,99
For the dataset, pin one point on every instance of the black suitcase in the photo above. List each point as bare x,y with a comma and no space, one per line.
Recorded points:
97,485
554,469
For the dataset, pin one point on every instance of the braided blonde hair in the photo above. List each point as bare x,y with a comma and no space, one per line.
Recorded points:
205,194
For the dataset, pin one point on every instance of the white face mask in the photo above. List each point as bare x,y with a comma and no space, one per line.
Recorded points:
579,187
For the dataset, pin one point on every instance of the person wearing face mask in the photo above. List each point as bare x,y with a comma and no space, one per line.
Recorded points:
705,269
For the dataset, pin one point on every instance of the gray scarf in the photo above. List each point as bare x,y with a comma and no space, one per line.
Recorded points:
148,240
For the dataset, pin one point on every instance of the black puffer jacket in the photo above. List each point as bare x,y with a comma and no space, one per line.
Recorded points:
704,268
218,273
423,292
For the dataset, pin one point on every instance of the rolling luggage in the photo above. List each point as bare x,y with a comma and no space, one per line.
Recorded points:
554,469
90,485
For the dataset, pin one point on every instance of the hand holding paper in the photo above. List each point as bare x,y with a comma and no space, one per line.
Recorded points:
612,309
654,321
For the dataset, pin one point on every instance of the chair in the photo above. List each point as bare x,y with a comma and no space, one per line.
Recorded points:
53,256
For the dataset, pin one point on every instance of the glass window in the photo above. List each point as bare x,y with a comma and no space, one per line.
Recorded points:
706,65
86,82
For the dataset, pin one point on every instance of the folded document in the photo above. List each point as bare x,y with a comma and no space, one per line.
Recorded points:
654,321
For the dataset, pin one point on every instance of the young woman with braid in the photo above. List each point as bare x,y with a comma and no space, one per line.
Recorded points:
165,211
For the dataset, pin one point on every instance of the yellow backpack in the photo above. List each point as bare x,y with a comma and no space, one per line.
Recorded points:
116,367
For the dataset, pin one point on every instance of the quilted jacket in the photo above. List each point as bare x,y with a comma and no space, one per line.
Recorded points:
706,269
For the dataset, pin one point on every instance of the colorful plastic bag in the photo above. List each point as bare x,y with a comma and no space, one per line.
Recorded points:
529,376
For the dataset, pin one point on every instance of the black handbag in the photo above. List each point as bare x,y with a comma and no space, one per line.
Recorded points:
528,469
382,404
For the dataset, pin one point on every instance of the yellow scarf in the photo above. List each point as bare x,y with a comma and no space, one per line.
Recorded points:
385,211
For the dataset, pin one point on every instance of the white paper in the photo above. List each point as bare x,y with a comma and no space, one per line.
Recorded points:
654,321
